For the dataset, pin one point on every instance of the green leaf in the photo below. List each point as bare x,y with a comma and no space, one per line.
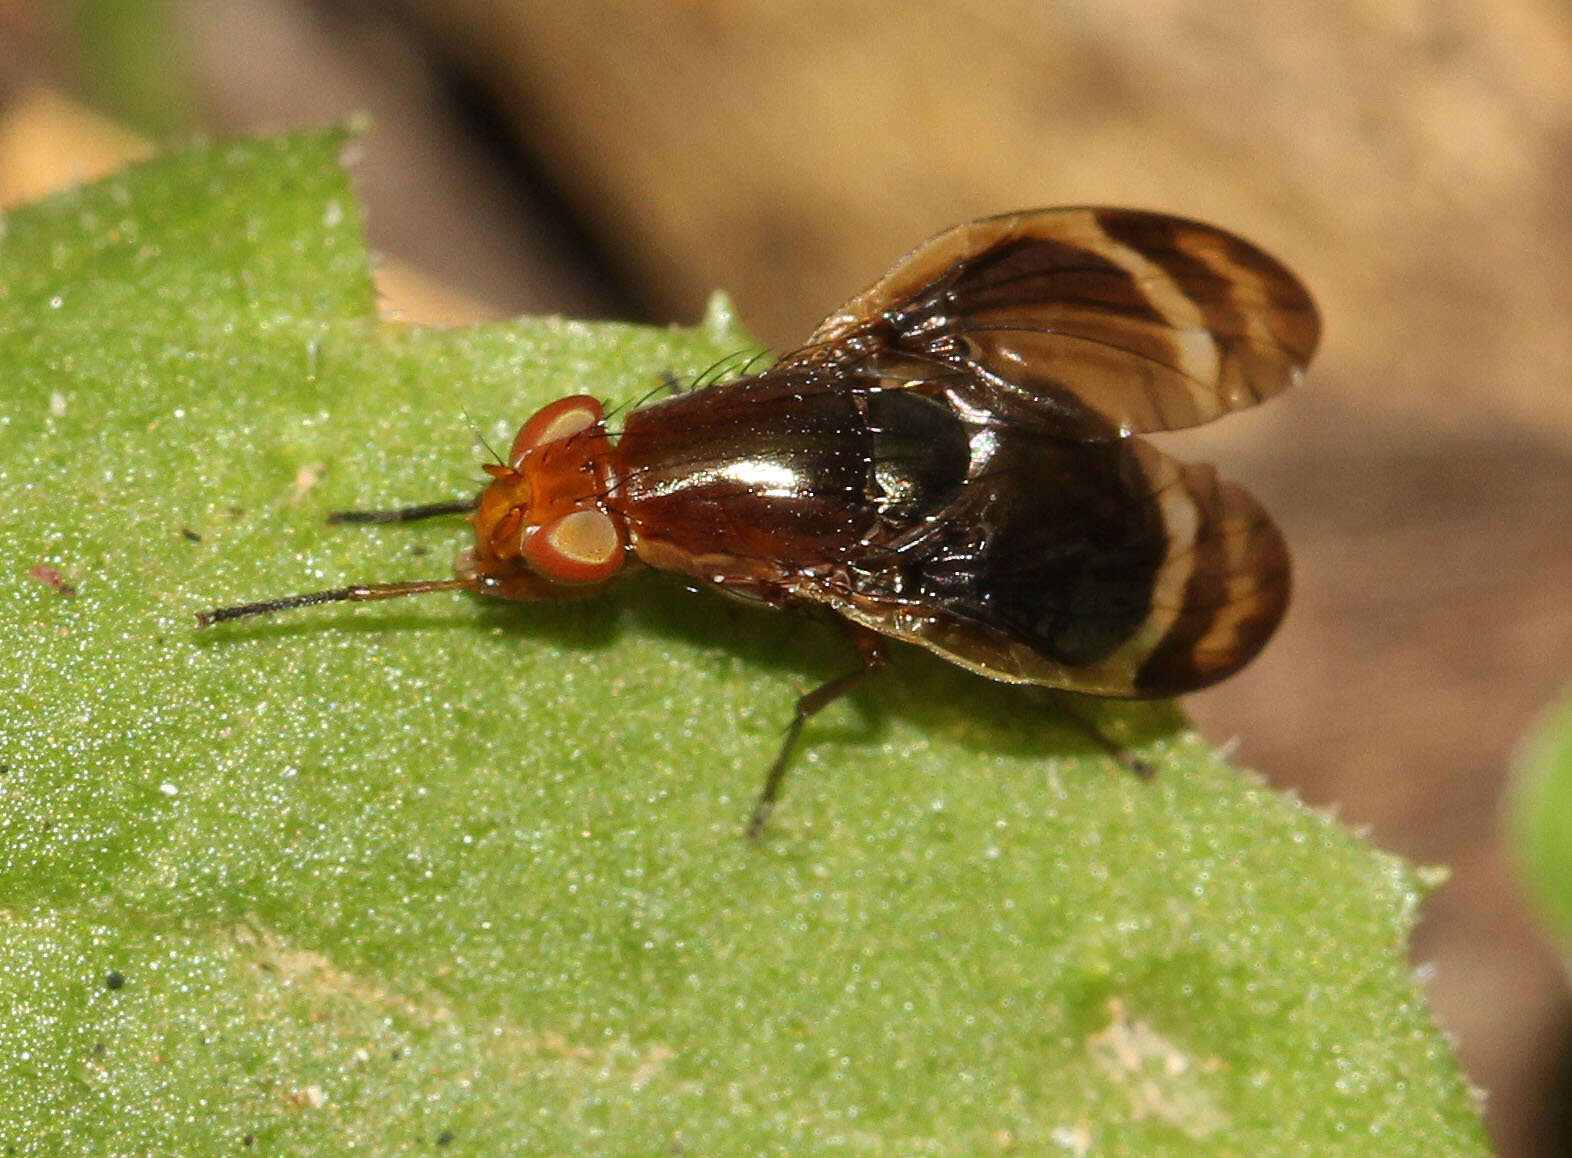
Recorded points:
445,870
1542,815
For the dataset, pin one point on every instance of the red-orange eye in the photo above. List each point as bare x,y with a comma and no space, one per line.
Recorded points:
564,417
582,547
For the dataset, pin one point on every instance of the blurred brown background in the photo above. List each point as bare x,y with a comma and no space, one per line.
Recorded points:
1410,158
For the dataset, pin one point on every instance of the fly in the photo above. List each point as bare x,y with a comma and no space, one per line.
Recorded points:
952,459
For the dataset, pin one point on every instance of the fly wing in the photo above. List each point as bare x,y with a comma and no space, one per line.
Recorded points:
1103,322
1101,567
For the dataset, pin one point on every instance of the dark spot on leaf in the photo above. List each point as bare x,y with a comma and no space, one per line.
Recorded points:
52,579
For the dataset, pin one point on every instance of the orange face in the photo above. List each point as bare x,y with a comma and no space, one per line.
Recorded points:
542,522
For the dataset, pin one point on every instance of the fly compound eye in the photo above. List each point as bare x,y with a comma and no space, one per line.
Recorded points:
584,546
563,418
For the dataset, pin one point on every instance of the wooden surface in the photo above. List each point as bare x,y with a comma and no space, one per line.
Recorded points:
1409,159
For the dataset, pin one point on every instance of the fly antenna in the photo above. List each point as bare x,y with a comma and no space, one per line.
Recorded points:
365,593
405,514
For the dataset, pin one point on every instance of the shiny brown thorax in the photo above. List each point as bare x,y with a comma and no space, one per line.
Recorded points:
793,476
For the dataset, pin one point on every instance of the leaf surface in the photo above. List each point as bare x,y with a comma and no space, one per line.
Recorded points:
444,870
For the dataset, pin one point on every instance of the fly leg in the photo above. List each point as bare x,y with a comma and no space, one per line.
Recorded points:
870,649
1126,759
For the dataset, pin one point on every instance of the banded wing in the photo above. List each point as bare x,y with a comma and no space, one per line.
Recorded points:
1104,322
1103,567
